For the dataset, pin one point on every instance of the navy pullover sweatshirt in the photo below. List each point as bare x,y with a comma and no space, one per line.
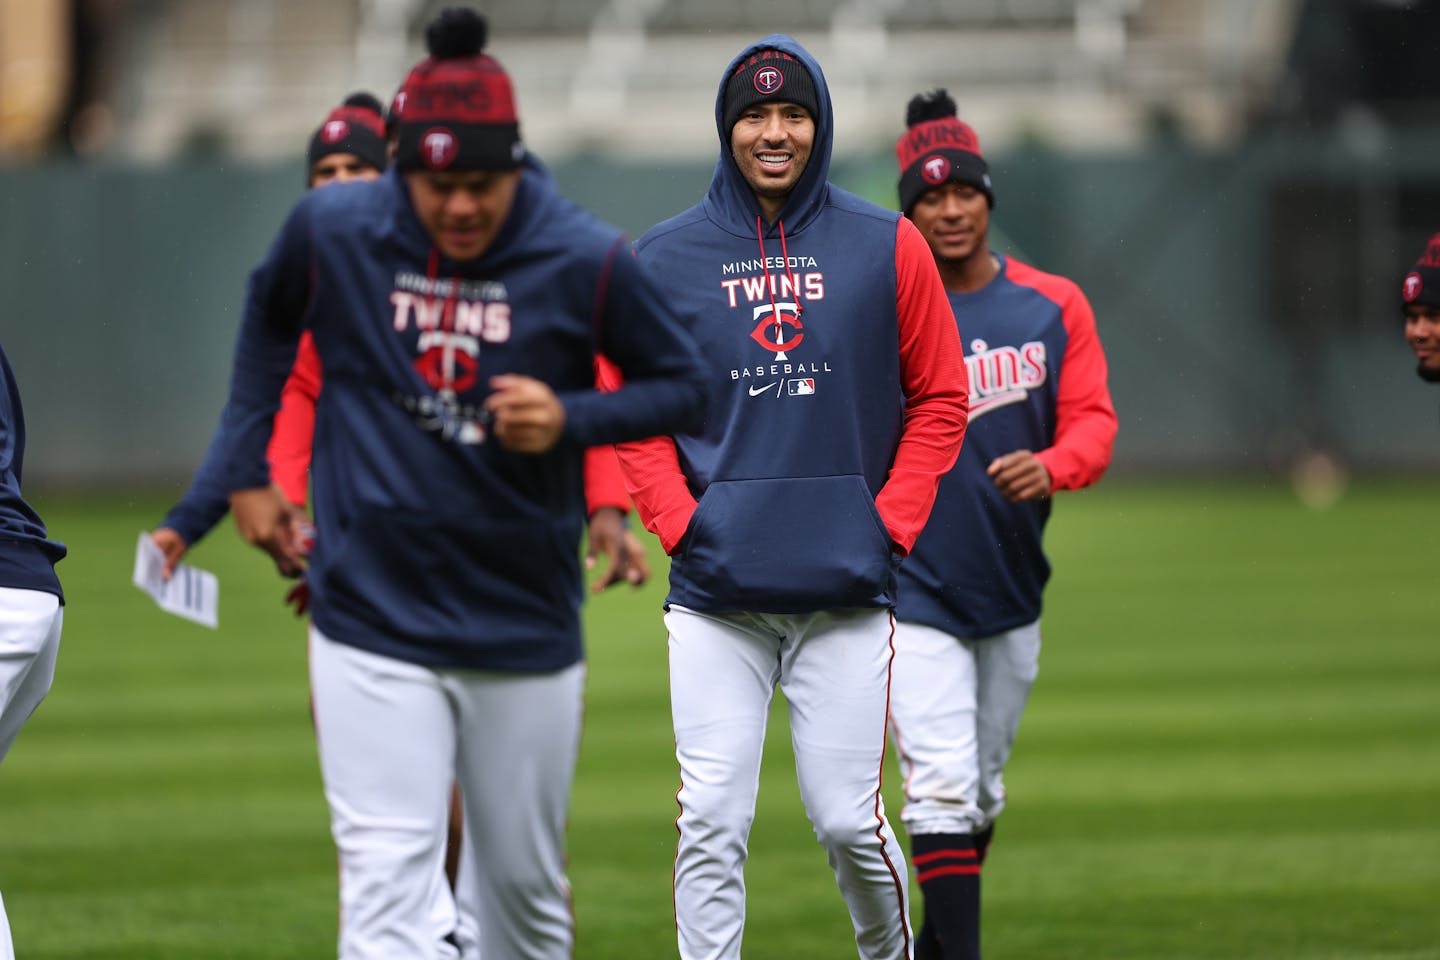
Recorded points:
433,544
837,390
27,555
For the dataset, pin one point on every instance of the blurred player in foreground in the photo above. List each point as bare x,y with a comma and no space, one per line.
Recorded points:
967,644
457,304
31,601
838,403
1420,301
350,145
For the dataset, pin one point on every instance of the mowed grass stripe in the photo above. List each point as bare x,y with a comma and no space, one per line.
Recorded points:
1230,753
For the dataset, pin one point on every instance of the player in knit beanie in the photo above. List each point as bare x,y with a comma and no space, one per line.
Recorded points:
352,139
938,148
1420,301
457,304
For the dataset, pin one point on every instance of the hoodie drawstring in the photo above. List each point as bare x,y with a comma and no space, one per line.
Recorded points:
770,286
447,321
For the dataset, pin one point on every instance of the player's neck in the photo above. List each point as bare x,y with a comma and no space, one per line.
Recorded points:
970,273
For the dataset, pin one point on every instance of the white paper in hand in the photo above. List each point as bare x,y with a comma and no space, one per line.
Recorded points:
189,593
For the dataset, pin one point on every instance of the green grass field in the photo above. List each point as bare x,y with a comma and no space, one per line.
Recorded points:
1233,751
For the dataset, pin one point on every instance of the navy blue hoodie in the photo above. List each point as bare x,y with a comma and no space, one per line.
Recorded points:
432,544
837,389
27,555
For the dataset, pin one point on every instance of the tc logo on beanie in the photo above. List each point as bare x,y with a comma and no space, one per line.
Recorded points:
438,148
1413,285
935,169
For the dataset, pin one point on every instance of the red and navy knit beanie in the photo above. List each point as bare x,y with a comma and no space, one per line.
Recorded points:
355,126
1422,283
938,148
768,76
456,110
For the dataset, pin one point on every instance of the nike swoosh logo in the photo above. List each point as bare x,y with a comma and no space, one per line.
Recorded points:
756,391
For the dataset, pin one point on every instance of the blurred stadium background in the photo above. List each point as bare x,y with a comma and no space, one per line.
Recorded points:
1238,185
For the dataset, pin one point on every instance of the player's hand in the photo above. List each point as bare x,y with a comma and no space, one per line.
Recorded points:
299,597
609,537
1020,476
526,415
267,520
172,545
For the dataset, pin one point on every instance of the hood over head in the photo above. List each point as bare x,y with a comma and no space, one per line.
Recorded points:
730,201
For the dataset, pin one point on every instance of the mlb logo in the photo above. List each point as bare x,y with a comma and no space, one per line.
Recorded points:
802,388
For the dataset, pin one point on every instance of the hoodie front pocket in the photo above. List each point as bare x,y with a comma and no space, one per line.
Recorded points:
785,545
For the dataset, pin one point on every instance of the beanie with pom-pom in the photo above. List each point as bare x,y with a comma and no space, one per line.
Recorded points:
938,148
456,109
356,126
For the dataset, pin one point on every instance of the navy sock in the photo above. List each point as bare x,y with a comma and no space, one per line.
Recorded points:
982,842
947,867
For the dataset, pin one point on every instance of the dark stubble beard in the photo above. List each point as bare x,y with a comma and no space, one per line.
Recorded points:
1428,374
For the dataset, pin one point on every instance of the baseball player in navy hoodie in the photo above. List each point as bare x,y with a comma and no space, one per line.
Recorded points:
457,304
967,643
837,401
31,601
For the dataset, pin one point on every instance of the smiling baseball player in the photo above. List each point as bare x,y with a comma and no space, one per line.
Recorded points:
967,640
838,400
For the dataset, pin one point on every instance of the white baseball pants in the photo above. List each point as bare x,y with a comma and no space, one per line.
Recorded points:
834,669
954,711
392,735
30,622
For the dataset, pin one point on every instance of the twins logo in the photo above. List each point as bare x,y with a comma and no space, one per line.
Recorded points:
334,131
452,321
1003,375
1414,283
438,148
935,169
768,80
772,322
448,362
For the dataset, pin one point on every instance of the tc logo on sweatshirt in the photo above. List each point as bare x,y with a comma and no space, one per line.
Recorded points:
771,333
